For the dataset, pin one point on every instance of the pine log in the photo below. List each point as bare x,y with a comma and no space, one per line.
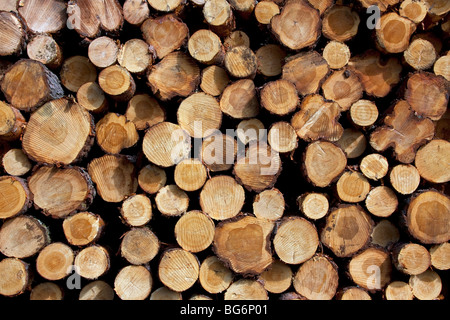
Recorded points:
219,16
177,74
91,97
46,291
46,50
12,122
54,262
347,230
239,100
76,71
337,54
23,236
269,205
244,8
279,97
426,217
282,137
411,258
165,34
438,7
394,32
317,278
250,131
246,289
194,231
190,174
353,142
152,178
47,16
218,152
97,290
135,12
404,178
16,163
352,187
296,240
398,290
270,59
364,113
214,80
426,286
92,262
381,201
313,205
385,234
133,283
214,276
440,256
16,197
165,6
178,269
136,210
206,47
298,25
58,192
442,67
265,11
343,87
164,293
139,246
83,228
114,177
103,51
374,166
321,5
340,23
15,277
172,201
117,82
115,133
241,62
383,5
420,54
36,82
236,38
278,278
144,111
9,5
13,35
353,293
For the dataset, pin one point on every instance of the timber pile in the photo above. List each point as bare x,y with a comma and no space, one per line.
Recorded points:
214,149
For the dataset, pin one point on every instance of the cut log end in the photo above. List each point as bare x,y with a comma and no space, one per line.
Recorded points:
137,210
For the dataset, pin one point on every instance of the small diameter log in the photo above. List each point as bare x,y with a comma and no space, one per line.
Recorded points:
135,55
427,216
114,133
91,97
16,163
427,94
165,144
178,269
152,178
15,277
374,166
241,62
381,201
246,289
259,168
194,231
377,74
353,293
337,54
352,142
404,131
236,38
55,261
199,115
269,205
177,74
133,283
244,244
206,47
323,163
250,131
36,86
46,291
46,50
190,174
279,97
440,256
47,16
239,100
317,119
404,178
313,205
270,59
340,23
117,82
385,234
347,230
298,25
214,276
343,87
265,11
398,290
282,137
394,32
278,278
59,192
114,177
165,34
317,278
135,12
139,246
59,132
83,228
371,269
13,35
144,111
102,52
12,122
214,80
89,18
165,6
426,286
222,197
442,67
16,197
296,240
306,70
76,71
219,152
136,210
364,113
411,258
171,201
164,293
22,237
96,290
352,187
420,54
92,262
219,16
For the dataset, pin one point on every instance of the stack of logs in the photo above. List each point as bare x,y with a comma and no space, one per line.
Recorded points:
224,149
